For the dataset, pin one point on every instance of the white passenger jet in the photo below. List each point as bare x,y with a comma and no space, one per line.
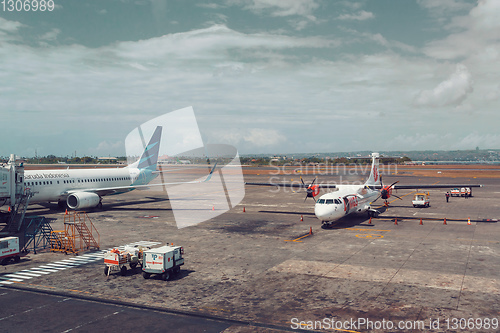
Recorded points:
349,199
84,188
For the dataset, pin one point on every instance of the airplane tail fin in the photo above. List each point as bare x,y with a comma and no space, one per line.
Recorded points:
149,157
374,178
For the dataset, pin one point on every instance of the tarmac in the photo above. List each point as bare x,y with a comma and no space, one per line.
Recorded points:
268,265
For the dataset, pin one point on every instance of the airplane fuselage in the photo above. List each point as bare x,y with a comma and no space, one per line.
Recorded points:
347,200
56,185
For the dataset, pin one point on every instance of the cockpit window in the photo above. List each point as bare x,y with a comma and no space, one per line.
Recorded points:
329,201
337,201
321,201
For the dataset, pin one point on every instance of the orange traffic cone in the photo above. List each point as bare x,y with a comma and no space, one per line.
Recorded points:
8,209
301,218
213,207
66,212
310,230
468,221
396,221
445,221
370,222
421,222
244,209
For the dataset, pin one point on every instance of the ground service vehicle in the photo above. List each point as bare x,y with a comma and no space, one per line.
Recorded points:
9,249
421,200
117,260
165,260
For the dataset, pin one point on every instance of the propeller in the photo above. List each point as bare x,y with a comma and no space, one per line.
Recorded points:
386,191
311,189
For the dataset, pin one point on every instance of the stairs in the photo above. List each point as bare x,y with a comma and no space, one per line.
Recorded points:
15,222
79,234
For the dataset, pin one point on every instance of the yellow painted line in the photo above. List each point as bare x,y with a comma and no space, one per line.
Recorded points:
369,236
361,229
297,239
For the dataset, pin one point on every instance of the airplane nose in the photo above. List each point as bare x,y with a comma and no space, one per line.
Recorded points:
323,212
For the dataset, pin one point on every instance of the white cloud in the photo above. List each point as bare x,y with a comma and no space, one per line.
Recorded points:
9,26
444,6
105,148
478,31
279,7
451,92
51,35
257,137
359,16
212,43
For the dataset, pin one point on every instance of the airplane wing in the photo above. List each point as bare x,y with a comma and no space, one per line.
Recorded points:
121,189
296,185
422,186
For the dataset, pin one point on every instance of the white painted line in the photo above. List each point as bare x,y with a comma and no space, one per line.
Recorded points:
6,282
52,270
58,268
38,271
18,276
70,262
67,262
28,274
80,259
57,265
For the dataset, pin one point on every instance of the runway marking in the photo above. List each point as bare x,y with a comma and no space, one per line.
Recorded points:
361,229
61,265
297,239
369,236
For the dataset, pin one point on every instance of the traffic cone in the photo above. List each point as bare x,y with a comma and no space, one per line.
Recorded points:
445,221
213,207
301,218
244,209
310,230
66,212
421,222
8,209
396,221
370,222
468,221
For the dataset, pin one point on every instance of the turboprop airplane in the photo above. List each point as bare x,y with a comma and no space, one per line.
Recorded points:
350,199
84,188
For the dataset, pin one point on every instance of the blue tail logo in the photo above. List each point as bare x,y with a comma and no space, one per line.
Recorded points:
149,157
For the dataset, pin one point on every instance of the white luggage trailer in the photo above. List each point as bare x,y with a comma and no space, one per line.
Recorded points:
165,260
9,249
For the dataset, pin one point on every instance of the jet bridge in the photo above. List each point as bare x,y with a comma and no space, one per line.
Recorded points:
13,194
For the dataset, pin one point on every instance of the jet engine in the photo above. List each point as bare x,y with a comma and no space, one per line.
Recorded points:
81,200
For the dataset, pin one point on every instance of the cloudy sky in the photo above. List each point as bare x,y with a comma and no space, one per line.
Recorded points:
267,76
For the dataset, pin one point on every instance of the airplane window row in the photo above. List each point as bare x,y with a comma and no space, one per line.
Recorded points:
329,201
49,182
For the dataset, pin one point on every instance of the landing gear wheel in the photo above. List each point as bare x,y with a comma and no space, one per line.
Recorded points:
133,265
123,270
106,270
17,259
165,276
146,275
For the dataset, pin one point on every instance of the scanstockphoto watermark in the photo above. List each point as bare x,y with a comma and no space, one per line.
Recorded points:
329,169
429,325
168,154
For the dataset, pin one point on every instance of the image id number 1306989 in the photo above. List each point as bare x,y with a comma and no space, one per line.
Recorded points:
27,5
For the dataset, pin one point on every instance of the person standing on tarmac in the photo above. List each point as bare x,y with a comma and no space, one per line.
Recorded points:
447,196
